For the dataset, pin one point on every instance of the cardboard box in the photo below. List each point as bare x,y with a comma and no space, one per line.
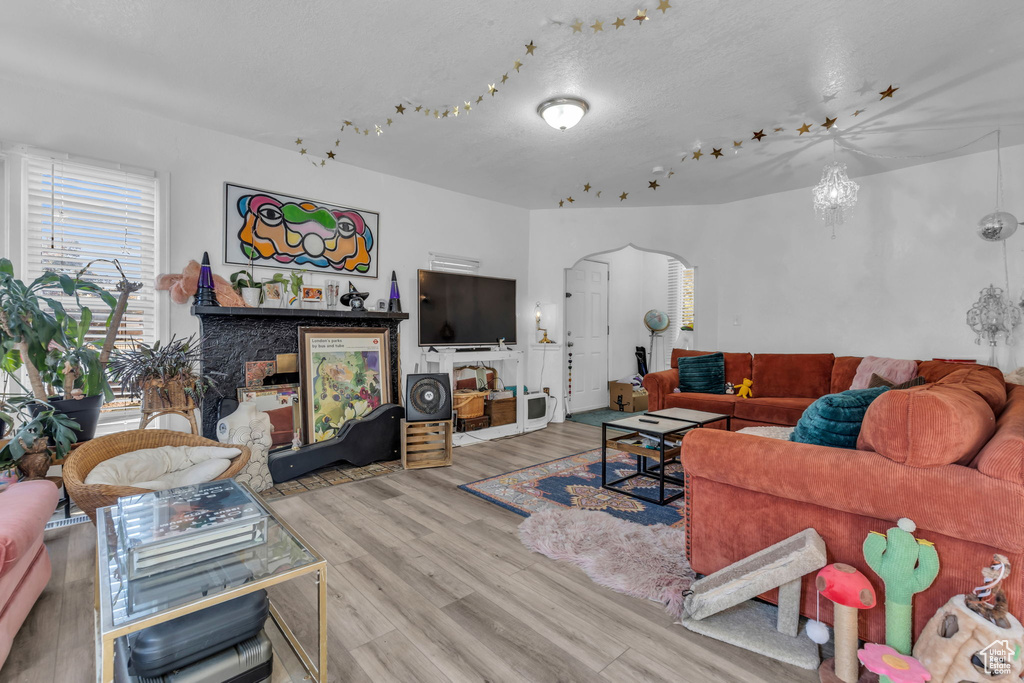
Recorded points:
634,400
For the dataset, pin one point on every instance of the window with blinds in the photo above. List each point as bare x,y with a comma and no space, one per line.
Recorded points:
680,303
78,213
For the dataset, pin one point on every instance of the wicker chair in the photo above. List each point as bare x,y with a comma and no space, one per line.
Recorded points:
82,460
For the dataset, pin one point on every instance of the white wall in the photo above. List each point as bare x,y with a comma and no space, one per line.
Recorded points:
897,280
638,282
560,237
194,163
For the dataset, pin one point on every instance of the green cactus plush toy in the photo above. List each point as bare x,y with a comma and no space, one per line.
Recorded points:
906,565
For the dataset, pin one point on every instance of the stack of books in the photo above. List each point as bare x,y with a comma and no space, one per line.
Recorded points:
164,530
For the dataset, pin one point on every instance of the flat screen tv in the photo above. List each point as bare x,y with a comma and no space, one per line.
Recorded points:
465,310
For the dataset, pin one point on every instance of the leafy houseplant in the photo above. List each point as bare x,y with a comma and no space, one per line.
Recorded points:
34,424
165,376
245,284
295,282
38,333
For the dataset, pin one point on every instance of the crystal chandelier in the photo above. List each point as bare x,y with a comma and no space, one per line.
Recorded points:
835,195
993,313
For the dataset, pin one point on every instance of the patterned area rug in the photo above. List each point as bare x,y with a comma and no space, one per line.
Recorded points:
575,482
331,476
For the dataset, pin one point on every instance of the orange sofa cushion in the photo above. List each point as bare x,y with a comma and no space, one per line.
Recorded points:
793,375
927,426
982,383
779,411
934,370
1003,456
712,403
737,365
843,372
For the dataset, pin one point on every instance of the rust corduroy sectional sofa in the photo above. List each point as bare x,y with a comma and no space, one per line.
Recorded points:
948,454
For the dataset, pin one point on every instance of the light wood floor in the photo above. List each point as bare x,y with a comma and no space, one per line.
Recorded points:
426,583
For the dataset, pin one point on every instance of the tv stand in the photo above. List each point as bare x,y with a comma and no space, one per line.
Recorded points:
511,365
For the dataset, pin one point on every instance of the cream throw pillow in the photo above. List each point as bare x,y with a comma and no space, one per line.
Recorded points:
164,467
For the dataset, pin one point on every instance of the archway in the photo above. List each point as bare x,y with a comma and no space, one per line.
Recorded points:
636,280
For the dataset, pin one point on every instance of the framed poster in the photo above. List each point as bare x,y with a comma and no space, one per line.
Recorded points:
344,373
281,403
293,233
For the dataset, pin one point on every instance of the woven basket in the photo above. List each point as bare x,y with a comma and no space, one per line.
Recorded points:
158,395
469,403
88,497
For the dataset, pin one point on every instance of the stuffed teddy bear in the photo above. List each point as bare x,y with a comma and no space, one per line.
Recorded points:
184,286
743,390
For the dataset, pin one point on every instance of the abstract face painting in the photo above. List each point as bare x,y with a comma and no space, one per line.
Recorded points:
281,231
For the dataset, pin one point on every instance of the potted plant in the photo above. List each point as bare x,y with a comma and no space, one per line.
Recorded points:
282,287
34,426
295,282
39,334
245,284
164,376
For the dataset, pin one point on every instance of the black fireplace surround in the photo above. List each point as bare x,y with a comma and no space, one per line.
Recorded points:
233,336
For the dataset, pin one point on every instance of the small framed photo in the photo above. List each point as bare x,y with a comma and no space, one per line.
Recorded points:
312,295
273,293
382,304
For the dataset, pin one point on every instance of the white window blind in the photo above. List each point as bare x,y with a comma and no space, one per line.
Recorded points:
78,213
680,303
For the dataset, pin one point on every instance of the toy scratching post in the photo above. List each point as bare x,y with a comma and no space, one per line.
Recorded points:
906,565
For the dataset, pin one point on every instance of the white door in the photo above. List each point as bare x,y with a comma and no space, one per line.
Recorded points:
586,329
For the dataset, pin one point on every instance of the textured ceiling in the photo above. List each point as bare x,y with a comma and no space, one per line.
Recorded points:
702,74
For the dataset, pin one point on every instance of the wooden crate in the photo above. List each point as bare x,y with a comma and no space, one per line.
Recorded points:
502,411
426,444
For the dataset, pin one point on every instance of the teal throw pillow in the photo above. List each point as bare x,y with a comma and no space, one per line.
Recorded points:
702,374
835,419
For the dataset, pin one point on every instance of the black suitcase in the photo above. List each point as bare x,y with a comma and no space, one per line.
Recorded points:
250,661
177,643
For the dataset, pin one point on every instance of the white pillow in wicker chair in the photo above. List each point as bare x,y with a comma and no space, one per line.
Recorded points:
164,467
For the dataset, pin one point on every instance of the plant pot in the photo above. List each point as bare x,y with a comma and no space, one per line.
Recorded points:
251,296
84,411
159,395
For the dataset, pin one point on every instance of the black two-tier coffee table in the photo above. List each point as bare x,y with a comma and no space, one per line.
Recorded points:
662,425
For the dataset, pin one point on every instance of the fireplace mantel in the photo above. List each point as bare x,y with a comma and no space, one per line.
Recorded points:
233,336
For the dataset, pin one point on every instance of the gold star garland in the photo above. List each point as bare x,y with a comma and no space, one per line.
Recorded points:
443,112
448,111
757,135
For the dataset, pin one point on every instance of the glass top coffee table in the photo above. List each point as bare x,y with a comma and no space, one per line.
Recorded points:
127,605
661,425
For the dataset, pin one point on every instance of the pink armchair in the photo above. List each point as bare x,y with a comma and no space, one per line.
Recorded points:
24,563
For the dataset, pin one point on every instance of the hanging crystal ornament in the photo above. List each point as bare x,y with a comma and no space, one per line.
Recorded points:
835,195
991,315
998,225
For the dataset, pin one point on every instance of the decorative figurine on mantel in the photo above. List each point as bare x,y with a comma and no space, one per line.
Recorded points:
395,300
354,299
204,293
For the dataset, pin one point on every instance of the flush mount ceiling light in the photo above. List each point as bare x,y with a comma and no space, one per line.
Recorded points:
563,112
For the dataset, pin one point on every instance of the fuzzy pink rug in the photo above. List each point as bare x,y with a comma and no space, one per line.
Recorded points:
642,561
